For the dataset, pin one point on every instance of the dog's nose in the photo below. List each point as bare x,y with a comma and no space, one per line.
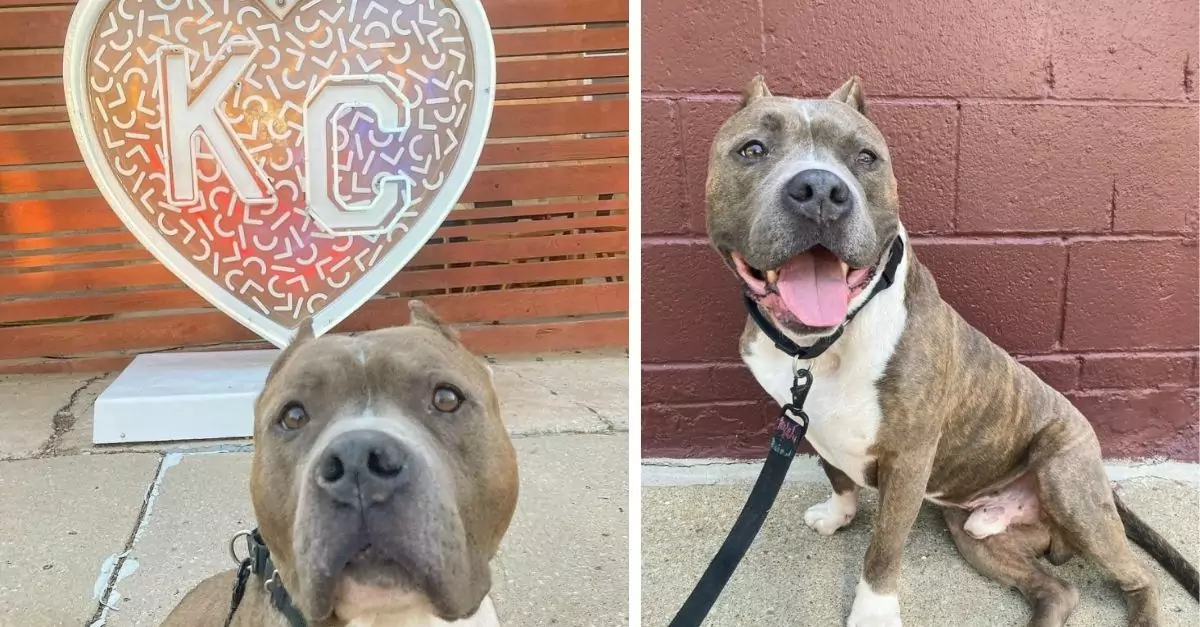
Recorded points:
819,195
362,468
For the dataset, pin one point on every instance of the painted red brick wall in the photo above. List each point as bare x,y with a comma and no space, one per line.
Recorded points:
1047,158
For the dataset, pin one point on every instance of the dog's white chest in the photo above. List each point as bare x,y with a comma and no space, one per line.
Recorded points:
843,409
843,404
484,617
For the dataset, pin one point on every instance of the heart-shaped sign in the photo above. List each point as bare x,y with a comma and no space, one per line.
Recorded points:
284,158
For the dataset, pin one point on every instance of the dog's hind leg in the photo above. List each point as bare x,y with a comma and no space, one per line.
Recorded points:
838,510
1075,494
1010,557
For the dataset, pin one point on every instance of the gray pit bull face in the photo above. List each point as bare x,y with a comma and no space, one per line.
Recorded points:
383,478
802,203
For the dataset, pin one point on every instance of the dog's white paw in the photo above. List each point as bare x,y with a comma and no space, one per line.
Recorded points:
873,610
834,513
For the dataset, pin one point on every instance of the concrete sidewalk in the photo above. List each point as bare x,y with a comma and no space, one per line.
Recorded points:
116,535
793,576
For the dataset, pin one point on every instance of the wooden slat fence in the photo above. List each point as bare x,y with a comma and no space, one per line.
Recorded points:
534,258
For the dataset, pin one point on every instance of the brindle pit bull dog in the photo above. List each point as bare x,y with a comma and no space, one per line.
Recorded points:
911,400
382,482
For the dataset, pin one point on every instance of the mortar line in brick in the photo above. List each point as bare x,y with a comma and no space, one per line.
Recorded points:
663,97
674,240
1108,391
945,101
1045,238
677,110
1188,77
1112,207
762,37
1062,311
676,365
1112,354
958,114
692,405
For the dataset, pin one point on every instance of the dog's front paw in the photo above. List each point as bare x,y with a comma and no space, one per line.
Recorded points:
873,610
834,513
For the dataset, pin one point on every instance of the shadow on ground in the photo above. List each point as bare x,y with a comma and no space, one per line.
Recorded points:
793,576
117,535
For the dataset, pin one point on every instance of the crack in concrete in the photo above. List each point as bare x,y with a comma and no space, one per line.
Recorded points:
106,602
64,419
541,433
608,425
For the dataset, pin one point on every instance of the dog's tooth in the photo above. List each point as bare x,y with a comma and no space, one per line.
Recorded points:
772,276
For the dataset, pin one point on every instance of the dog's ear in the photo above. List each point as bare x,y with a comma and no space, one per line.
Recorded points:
851,93
755,90
422,315
304,335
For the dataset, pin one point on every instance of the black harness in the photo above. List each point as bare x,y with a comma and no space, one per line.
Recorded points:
789,431
259,563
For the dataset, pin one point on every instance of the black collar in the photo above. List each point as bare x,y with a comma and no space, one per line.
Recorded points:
259,562
792,349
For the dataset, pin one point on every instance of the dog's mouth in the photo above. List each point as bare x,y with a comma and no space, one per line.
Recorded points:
815,288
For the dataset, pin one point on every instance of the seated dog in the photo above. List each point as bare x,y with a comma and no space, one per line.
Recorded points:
383,480
910,399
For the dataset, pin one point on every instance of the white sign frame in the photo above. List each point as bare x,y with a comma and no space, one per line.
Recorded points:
75,62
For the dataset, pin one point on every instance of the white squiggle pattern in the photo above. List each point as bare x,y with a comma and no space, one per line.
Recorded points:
274,256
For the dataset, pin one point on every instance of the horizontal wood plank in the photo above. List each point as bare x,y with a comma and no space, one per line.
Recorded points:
407,281
526,13
64,254
48,91
153,273
561,68
47,63
213,327
50,177
38,24
560,41
119,236
135,253
86,212
489,339
55,143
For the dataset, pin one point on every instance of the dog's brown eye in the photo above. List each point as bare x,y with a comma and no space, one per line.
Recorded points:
753,149
446,399
293,417
866,158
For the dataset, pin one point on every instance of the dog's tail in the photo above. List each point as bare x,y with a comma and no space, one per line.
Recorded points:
1158,548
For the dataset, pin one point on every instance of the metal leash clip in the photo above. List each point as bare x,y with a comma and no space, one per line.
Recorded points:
245,533
801,383
793,422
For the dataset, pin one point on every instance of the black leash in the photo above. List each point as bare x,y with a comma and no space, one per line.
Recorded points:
259,563
789,431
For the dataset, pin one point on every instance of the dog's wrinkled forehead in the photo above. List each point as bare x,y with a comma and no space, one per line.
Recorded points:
385,369
378,369
803,128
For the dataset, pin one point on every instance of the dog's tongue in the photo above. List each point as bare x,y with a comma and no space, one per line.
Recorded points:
813,286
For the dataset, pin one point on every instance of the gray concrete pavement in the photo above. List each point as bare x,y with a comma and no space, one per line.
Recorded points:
116,536
793,576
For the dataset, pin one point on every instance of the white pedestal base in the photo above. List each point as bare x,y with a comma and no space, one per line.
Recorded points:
183,396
